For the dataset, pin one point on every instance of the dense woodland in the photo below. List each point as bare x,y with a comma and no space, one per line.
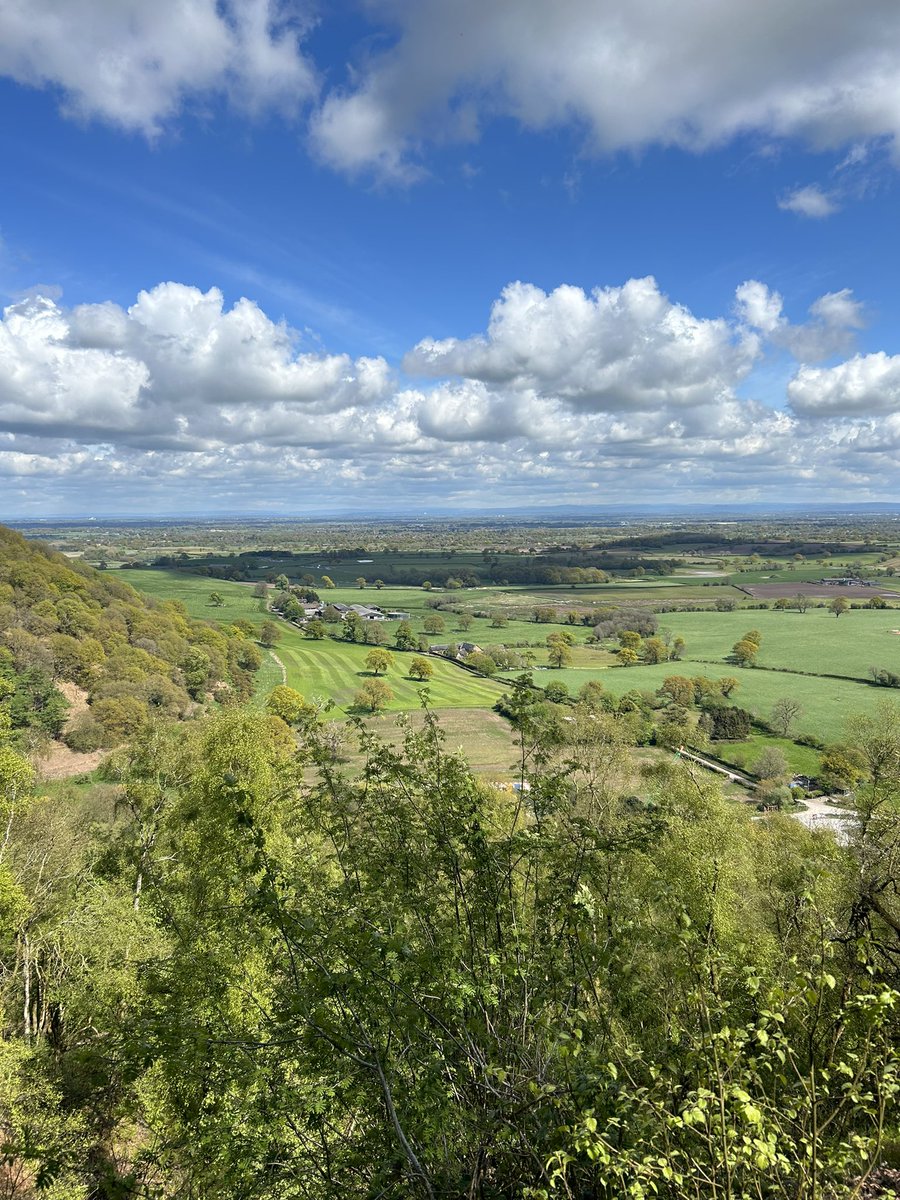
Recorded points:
239,967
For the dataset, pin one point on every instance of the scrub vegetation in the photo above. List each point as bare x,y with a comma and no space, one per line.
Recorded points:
449,894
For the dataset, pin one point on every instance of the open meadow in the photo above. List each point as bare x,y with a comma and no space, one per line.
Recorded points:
825,704
798,652
815,641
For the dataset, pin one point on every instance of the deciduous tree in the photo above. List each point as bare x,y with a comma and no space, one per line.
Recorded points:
374,695
785,712
744,652
289,704
269,634
420,668
378,661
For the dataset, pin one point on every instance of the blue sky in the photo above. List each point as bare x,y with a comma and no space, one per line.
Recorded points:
266,257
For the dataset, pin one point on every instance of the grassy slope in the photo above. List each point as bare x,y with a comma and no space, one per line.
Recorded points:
194,591
334,670
803,760
484,739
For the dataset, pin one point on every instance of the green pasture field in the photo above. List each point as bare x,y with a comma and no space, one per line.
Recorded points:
814,641
803,760
807,572
518,602
267,677
334,670
193,591
826,704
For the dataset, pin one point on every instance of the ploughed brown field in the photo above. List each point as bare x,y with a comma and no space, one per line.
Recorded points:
772,591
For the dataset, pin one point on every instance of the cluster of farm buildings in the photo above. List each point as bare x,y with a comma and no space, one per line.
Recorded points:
366,612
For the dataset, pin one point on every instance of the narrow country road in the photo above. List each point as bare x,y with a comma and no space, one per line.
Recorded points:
820,812
729,772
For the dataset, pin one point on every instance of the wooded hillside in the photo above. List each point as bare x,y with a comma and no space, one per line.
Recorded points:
61,620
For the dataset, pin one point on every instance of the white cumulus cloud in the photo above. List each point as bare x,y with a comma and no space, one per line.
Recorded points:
810,201
863,385
834,320
692,74
619,348
617,394
135,63
176,368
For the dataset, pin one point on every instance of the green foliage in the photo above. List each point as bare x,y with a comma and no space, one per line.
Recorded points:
654,650
842,767
32,701
132,656
678,689
739,1109
421,668
405,639
481,662
289,705
558,653
379,661
436,989
269,634
730,723
374,695
745,651
771,764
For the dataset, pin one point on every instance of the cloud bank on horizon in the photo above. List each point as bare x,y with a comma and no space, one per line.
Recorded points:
617,394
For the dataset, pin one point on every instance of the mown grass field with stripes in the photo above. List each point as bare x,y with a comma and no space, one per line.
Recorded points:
329,670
